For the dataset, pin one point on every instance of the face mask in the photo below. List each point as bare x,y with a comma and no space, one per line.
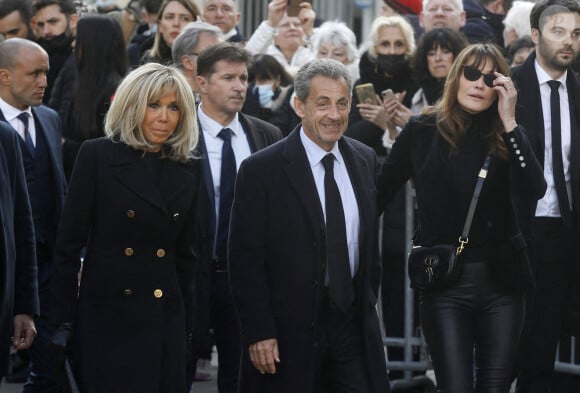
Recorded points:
265,93
56,43
392,64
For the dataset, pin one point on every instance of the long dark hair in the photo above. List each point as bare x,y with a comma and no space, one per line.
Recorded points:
101,60
448,39
452,120
161,52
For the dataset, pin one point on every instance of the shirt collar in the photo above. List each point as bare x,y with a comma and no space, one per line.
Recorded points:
10,113
544,78
315,153
213,128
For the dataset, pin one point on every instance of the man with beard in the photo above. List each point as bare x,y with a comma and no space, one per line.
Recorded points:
56,22
549,109
15,16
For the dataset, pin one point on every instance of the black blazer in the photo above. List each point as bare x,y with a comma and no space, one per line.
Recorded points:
18,284
135,301
529,115
277,255
260,134
49,125
418,154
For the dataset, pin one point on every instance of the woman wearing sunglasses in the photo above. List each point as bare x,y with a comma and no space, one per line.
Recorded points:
477,318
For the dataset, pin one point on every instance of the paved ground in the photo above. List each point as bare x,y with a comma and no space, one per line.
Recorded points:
198,387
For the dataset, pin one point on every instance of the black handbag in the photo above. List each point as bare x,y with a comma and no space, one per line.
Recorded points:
432,267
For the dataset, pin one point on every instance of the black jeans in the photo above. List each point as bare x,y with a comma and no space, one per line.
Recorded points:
472,314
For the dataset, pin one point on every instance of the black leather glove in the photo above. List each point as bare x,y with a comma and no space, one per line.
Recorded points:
57,347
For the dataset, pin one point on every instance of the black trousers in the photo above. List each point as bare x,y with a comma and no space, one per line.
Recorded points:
340,363
552,261
472,316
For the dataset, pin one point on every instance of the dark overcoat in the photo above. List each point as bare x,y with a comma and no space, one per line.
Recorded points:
18,285
134,304
529,114
277,261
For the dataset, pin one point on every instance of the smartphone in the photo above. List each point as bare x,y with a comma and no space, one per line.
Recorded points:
388,95
366,94
294,6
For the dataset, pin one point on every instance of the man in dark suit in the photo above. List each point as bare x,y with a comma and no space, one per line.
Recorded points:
303,254
23,68
227,137
18,289
549,109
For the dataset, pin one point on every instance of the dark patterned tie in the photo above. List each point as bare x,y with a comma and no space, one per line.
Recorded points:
23,117
557,162
227,181
340,288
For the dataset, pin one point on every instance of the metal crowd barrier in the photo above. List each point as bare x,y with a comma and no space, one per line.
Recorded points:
413,341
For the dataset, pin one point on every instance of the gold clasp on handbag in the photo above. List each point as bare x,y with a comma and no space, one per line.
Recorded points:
462,242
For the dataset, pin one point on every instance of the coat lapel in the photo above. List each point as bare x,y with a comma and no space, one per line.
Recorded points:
130,172
297,168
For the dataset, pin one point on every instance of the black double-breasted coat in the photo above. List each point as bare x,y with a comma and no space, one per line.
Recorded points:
277,261
134,303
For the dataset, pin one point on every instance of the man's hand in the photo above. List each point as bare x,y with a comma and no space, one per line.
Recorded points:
24,331
264,355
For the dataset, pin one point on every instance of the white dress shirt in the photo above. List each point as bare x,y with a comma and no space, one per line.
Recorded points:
11,115
548,205
315,155
214,144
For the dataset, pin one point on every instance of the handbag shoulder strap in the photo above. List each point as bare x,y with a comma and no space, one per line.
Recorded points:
464,238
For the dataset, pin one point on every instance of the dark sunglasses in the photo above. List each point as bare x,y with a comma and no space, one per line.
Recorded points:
472,74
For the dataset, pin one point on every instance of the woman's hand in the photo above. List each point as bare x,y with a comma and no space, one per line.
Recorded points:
402,115
375,113
307,16
506,101
276,11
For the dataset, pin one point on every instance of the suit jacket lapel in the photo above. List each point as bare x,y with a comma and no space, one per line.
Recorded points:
532,107
129,171
297,168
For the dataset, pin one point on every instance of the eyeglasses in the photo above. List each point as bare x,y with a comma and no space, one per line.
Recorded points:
473,74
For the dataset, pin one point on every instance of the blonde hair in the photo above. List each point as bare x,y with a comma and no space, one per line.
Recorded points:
392,21
141,87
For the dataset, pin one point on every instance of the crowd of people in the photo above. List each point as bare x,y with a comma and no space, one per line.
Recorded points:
168,186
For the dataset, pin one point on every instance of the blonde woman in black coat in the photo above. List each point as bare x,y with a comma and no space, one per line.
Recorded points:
131,202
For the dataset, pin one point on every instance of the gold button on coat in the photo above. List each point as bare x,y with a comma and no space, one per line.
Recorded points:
161,253
128,292
129,251
131,213
158,293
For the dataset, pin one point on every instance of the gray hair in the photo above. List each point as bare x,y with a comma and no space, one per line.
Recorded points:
336,34
518,18
145,85
327,68
188,39
458,4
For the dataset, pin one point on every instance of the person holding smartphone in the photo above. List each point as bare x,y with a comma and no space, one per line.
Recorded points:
386,65
480,315
284,36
